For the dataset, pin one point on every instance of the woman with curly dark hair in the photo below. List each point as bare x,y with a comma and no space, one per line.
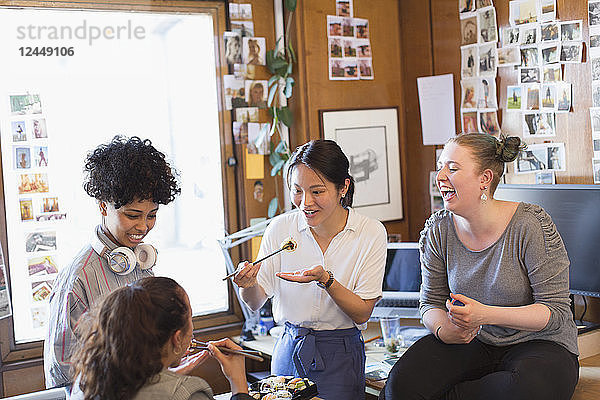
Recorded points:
128,358
129,179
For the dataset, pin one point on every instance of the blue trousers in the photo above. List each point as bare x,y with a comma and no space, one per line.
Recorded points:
334,360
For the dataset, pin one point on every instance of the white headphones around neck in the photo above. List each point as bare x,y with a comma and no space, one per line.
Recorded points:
122,260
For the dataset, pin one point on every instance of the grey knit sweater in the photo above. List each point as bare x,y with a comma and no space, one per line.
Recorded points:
527,265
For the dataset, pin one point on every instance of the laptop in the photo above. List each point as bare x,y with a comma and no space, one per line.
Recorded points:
401,282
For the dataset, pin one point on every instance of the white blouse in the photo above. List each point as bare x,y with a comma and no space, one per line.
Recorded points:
356,256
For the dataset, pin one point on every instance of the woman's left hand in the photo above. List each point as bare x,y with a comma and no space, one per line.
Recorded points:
189,362
471,315
305,275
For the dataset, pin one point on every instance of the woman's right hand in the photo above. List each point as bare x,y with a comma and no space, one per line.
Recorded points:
232,365
453,334
246,277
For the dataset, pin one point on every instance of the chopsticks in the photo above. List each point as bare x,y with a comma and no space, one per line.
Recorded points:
287,245
252,354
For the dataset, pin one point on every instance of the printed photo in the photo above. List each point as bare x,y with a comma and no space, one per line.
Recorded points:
469,61
33,183
243,28
483,3
41,266
254,50
246,11
539,124
51,217
488,60
487,94
570,31
488,122
26,207
335,48
344,8
469,122
545,178
235,93
361,27
363,48
348,27
240,132
532,97
40,241
549,32
510,36
258,138
234,11
25,104
596,144
548,10
528,34
39,317
256,93
19,133
233,47
469,92
39,128
594,40
596,169
246,114
349,48
548,92
350,68
532,159
595,119
556,157
594,13
488,30
509,56
595,68
529,75
552,73
365,69
41,290
40,154
49,204
550,54
522,12
468,31
466,6
513,96
334,25
564,97
336,70
22,157
529,56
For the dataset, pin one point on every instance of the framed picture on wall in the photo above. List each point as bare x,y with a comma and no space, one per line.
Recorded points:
369,138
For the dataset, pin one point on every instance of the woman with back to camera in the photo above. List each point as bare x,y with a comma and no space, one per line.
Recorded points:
131,339
129,178
495,290
325,290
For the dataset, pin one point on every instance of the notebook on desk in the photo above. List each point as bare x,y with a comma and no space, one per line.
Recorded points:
401,282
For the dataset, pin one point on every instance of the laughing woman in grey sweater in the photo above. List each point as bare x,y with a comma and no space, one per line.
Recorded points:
495,291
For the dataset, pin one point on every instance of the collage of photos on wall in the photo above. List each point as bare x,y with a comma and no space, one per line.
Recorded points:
349,44
594,55
39,209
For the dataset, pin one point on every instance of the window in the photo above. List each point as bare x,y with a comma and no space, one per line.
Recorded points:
134,73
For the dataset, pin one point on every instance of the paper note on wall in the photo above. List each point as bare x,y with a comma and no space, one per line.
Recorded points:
255,166
255,246
436,102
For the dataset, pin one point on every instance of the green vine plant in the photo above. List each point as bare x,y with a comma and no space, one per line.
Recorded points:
280,64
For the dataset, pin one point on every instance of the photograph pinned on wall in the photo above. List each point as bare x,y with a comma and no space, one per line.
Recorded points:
528,34
22,157
596,170
595,63
5,307
19,131
234,92
550,53
33,183
552,73
488,122
595,119
571,31
349,48
233,47
22,104
483,3
522,12
257,143
240,132
513,98
488,60
49,204
40,241
529,56
468,31
365,68
532,159
40,291
564,97
466,6
344,8
256,93
596,144
334,25
40,156
246,114
469,122
38,266
539,124
529,75
234,11
39,128
549,32
486,23
532,97
595,94
254,50
510,36
246,11
548,94
39,316
348,27
336,70
335,48
469,91
509,56
594,13
350,68
243,28
469,61
556,159
363,48
545,178
487,94
547,10
361,27
594,39
26,208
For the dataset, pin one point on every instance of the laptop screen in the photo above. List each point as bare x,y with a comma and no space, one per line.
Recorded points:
402,268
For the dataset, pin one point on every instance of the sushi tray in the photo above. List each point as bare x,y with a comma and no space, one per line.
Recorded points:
283,387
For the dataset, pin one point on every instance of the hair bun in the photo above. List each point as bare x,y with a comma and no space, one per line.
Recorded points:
508,148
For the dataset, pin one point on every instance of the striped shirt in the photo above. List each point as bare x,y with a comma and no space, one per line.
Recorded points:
77,288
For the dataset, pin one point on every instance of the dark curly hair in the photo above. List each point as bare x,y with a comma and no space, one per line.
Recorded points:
120,340
128,169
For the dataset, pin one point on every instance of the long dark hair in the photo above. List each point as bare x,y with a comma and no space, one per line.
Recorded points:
120,342
328,159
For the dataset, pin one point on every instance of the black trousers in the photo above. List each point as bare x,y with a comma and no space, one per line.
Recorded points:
430,369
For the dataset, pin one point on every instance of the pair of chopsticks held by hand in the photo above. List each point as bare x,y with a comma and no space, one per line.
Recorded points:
252,354
288,244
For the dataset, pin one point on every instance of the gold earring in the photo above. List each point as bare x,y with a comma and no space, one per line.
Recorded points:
483,195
